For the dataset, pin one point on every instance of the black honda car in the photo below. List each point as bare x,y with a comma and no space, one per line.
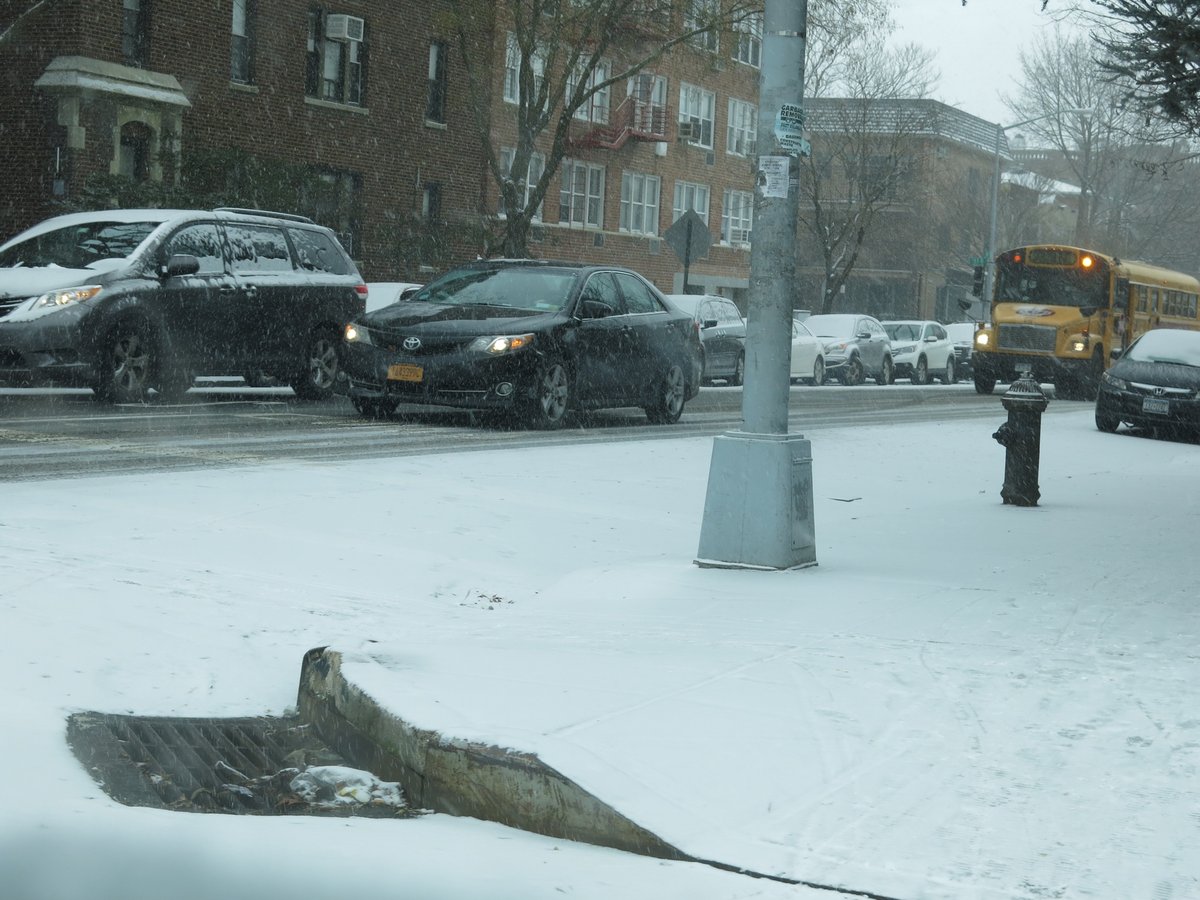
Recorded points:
531,337
1154,385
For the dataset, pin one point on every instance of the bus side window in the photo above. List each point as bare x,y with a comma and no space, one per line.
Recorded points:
1141,297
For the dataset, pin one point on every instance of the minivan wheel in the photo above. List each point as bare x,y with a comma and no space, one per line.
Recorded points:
126,364
671,395
316,380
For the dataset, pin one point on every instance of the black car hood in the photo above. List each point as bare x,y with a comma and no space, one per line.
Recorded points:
432,318
1157,373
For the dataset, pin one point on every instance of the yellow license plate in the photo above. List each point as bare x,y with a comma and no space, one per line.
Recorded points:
405,372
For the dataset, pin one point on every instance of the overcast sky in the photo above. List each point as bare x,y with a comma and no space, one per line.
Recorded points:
977,47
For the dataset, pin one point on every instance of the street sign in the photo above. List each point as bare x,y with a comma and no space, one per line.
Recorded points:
977,261
689,237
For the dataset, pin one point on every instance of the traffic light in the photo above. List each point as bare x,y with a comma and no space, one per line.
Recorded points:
977,284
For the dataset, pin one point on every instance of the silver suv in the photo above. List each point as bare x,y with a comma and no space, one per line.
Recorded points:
132,301
855,346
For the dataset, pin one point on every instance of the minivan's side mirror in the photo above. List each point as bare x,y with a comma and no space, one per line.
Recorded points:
180,264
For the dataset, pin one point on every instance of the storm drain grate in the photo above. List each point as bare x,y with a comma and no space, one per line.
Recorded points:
243,766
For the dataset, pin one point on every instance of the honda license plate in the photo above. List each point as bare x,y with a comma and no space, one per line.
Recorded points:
405,372
1156,405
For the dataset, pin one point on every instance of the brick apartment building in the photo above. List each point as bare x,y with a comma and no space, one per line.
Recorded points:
357,112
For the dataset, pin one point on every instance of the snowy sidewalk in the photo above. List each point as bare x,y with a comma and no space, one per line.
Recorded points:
963,700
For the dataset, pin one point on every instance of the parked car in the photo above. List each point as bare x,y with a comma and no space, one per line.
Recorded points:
920,349
808,355
129,301
1155,384
722,335
854,346
385,293
962,335
530,337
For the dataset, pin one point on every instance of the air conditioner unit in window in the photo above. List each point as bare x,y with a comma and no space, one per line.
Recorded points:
344,28
686,131
739,236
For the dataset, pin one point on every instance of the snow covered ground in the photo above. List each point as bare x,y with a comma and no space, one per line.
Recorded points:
963,700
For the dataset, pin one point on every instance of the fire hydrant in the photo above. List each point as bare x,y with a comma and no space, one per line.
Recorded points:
1021,436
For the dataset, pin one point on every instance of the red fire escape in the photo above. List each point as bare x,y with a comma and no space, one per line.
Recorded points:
637,118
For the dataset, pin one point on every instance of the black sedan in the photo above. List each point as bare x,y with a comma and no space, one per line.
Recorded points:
1155,384
530,337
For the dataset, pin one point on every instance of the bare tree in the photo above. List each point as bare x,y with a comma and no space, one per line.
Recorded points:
1120,159
865,152
566,56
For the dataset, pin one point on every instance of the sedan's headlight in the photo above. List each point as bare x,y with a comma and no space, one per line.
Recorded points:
501,343
356,334
1113,381
56,300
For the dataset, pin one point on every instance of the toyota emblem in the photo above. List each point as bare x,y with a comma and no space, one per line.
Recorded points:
411,343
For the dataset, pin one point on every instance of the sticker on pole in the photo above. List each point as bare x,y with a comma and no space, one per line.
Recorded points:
773,172
789,130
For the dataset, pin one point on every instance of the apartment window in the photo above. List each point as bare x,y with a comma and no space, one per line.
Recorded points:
135,31
742,129
689,195
737,217
241,48
639,203
649,93
431,202
512,71
696,110
581,199
748,46
336,67
595,108
702,14
435,103
533,174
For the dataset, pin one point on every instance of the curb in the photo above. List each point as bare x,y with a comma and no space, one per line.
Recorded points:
457,777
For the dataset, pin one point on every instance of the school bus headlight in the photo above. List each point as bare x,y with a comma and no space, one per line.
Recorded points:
1079,344
981,339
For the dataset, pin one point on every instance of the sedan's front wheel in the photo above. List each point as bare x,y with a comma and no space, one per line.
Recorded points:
818,376
547,408
671,395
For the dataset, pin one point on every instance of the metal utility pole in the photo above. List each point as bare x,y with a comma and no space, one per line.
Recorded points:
758,512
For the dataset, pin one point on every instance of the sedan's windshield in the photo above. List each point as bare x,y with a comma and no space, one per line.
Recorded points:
522,287
78,246
1167,346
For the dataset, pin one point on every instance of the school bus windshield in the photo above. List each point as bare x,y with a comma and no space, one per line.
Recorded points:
1057,286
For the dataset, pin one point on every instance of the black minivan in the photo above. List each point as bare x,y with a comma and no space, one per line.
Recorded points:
129,301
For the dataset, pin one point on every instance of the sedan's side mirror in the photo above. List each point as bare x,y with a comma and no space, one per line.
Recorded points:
1116,352
595,309
180,264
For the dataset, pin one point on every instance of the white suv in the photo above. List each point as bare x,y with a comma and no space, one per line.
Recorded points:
921,349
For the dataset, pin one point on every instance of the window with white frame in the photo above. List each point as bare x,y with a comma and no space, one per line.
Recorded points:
595,108
696,110
512,70
639,203
581,199
649,93
241,47
737,217
689,195
703,14
336,66
741,131
748,46
533,174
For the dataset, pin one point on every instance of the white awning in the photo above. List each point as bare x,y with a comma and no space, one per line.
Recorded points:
80,74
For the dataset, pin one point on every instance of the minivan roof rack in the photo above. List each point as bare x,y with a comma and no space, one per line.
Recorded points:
265,212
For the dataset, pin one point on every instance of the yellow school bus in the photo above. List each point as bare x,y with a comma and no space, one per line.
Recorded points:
1060,312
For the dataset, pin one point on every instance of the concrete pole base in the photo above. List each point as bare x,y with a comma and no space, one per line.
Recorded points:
758,513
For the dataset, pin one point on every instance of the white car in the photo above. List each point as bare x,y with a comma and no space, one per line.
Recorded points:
922,349
808,356
385,293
